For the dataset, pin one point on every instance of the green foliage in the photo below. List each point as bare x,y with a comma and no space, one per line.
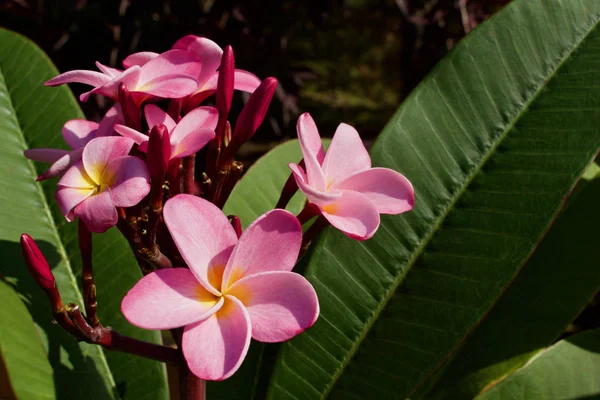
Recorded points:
32,116
567,370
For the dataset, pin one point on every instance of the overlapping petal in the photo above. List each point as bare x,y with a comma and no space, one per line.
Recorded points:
99,152
201,117
92,78
44,155
354,214
98,212
270,243
62,165
139,59
280,304
313,195
215,348
78,132
203,235
154,116
167,299
128,179
345,156
77,177
316,177
389,190
67,198
192,143
207,51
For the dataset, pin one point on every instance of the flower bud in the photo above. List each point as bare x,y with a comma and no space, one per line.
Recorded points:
36,262
131,112
225,83
158,153
236,224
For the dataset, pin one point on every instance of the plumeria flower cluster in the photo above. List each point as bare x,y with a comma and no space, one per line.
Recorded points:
159,166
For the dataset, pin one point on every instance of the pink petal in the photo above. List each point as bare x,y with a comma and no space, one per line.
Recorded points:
201,117
127,132
280,304
270,243
154,116
139,59
129,78
78,132
313,195
306,134
62,165
193,142
91,78
215,348
345,156
44,155
67,198
99,152
203,235
310,136
167,299
128,179
207,51
107,123
106,70
173,63
168,87
354,214
98,212
243,80
389,190
77,177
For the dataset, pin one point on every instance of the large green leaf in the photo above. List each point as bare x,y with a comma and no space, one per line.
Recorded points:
493,141
21,349
554,286
567,370
32,116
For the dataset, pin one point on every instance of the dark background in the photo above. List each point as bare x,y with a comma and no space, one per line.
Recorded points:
350,61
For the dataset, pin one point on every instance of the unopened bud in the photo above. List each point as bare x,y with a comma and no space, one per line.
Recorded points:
236,224
158,153
131,112
225,83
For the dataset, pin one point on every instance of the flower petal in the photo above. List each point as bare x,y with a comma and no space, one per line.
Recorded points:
280,304
171,63
99,152
270,243
76,177
139,59
203,235
167,299
44,155
168,87
127,132
243,80
128,179
67,198
345,156
207,51
154,116
113,116
129,78
62,165
193,142
98,212
354,214
313,195
106,70
91,78
389,190
307,133
201,117
216,347
78,132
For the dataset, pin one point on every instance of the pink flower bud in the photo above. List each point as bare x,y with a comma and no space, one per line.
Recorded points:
251,116
131,112
158,153
36,263
225,82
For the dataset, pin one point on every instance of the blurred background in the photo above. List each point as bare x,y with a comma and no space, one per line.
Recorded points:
350,61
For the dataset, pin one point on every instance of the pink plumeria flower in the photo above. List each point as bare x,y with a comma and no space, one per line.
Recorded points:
77,133
188,136
234,290
171,75
210,54
105,178
347,191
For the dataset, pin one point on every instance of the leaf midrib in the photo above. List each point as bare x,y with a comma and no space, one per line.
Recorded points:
392,289
46,207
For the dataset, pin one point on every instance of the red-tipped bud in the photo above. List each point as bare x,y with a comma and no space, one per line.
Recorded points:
251,116
225,83
36,263
131,112
237,225
158,153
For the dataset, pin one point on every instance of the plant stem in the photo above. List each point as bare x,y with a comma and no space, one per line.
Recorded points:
87,274
189,168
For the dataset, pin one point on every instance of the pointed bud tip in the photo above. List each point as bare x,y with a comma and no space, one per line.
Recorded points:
36,262
159,152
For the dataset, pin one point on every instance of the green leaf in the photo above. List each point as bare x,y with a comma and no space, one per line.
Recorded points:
554,286
493,141
32,116
567,370
29,371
